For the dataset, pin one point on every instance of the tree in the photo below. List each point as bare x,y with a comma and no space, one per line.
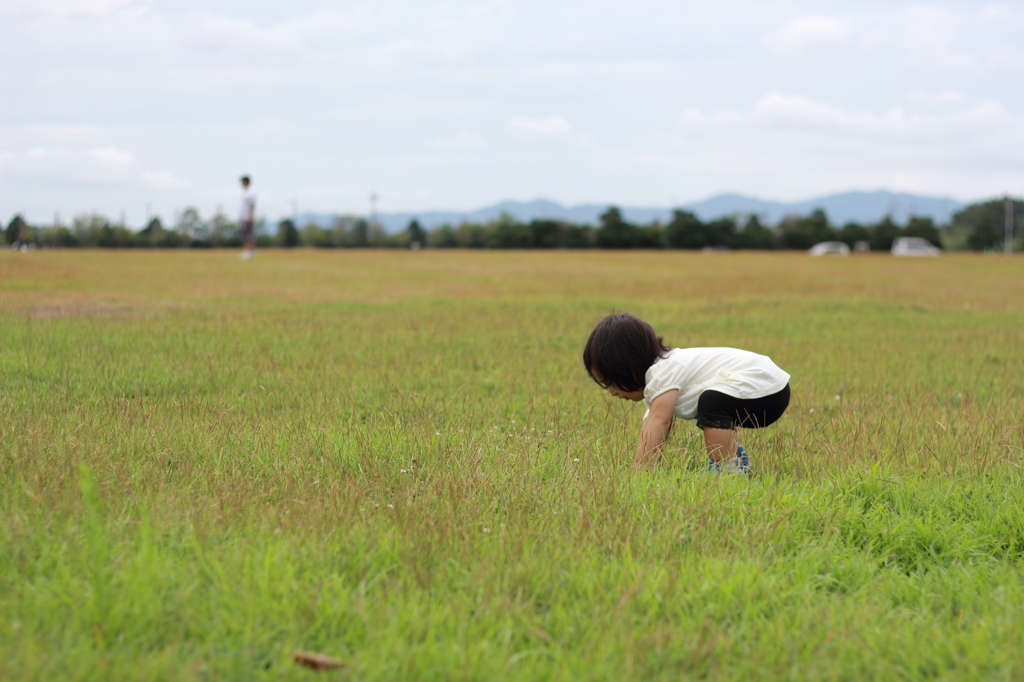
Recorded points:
548,234
579,236
615,233
360,232
754,235
851,233
18,231
984,223
219,230
189,225
56,235
803,233
442,237
883,234
923,228
88,228
720,233
417,235
685,231
377,235
153,233
474,236
508,233
287,235
649,236
558,234
341,231
117,237
313,235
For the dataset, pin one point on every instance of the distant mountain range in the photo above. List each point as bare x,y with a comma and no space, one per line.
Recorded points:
859,207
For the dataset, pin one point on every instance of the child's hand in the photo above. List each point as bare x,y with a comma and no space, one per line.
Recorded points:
655,428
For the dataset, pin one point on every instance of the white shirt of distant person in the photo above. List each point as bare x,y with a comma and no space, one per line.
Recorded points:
247,219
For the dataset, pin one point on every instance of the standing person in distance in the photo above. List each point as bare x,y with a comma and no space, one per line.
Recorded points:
247,219
721,388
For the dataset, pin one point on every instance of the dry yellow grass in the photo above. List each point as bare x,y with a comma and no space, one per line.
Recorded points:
135,277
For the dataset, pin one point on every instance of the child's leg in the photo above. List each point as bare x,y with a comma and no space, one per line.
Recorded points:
721,444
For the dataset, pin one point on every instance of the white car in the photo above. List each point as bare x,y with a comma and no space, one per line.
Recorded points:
833,248
914,246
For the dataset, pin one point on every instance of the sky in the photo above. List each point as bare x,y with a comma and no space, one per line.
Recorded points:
143,107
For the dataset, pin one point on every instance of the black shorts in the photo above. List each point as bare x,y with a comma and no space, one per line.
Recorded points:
245,230
717,410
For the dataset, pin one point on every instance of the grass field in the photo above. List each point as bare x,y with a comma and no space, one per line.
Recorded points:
396,458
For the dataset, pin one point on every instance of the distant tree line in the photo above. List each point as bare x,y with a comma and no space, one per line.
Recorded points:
977,227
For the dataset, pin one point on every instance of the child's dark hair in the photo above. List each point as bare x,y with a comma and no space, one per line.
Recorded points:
620,350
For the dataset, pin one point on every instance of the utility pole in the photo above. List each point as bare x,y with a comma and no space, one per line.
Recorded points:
1008,238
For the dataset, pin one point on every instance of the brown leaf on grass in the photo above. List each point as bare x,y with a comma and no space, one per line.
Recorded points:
316,661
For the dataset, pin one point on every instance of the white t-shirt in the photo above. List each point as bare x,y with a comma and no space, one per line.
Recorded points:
247,213
692,371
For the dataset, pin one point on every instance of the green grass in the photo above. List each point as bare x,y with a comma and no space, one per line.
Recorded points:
397,459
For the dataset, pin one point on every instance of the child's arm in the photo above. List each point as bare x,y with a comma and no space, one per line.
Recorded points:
655,427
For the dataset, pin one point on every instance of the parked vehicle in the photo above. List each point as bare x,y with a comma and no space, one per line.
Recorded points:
830,248
914,246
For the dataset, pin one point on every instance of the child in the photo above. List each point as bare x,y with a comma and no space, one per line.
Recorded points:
722,388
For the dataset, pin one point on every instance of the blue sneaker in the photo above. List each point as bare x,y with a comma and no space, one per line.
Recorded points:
742,460
740,464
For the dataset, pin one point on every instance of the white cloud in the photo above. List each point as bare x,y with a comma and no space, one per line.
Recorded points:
464,140
933,37
550,126
554,126
111,157
808,35
412,52
342,98
811,146
45,134
937,99
106,165
226,79
99,165
876,37
929,35
217,33
164,180
63,7
801,114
